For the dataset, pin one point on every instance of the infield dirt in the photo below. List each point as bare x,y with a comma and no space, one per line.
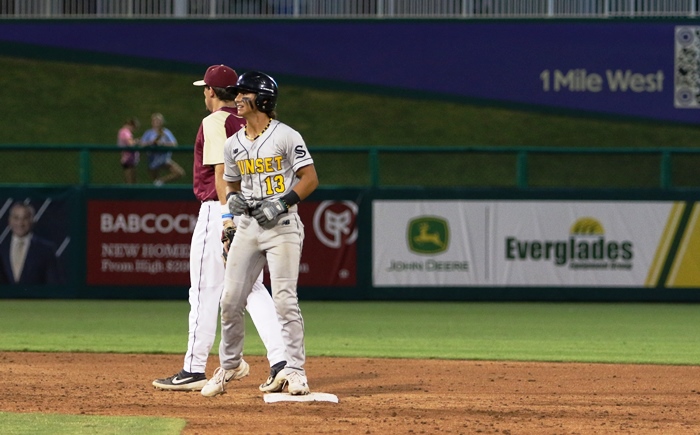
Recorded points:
377,396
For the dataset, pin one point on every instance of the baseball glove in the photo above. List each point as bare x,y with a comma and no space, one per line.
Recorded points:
227,237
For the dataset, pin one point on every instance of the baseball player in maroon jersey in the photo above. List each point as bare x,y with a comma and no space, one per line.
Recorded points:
268,170
206,263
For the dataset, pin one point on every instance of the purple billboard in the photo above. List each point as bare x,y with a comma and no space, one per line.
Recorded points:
641,69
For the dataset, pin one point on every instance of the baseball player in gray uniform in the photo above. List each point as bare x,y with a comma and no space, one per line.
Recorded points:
268,170
206,264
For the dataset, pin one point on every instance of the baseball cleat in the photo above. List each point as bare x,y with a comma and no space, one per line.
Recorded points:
217,383
297,383
183,381
277,379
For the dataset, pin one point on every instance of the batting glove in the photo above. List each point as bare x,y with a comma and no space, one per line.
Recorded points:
236,204
268,211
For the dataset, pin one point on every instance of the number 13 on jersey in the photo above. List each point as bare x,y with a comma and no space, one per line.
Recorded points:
274,184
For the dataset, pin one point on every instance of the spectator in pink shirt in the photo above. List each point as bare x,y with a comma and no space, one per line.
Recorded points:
129,158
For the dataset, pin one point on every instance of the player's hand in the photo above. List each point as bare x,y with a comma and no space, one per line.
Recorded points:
236,204
269,210
227,237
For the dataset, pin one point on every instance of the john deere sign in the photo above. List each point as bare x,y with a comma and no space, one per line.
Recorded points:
428,235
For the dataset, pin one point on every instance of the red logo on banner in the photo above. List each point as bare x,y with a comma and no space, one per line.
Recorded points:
139,242
329,257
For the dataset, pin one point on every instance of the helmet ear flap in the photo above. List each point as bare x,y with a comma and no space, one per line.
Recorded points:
265,103
262,102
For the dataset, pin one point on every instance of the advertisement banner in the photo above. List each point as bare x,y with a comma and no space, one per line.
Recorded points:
139,242
578,243
637,68
329,256
148,243
430,243
35,240
685,270
521,243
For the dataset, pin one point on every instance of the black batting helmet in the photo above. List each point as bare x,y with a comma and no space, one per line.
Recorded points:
259,83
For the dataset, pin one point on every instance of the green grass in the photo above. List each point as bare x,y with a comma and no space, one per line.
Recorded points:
86,104
591,332
56,424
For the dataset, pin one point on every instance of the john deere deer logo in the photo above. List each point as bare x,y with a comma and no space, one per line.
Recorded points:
428,235
425,237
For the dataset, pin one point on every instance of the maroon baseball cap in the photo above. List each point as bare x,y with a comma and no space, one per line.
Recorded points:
218,76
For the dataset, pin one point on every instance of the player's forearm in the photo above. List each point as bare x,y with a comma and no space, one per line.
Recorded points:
232,187
219,183
308,181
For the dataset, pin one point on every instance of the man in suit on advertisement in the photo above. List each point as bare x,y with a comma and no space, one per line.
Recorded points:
25,258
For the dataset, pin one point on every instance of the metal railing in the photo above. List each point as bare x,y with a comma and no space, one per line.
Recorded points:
523,155
344,9
378,166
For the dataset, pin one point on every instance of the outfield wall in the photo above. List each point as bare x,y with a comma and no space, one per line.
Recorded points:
389,244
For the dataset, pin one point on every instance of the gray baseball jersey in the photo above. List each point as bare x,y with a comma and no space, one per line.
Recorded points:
266,167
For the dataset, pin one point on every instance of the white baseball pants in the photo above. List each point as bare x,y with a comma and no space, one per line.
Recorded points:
206,286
